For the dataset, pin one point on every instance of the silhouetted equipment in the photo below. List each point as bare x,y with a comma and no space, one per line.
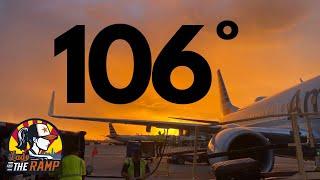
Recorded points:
73,142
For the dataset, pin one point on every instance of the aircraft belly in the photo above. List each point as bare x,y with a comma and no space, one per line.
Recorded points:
279,130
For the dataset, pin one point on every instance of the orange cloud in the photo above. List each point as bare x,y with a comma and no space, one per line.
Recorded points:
276,45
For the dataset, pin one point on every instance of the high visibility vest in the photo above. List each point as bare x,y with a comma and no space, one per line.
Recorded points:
143,164
72,168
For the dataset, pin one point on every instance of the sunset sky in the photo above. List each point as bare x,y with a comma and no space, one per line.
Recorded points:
278,43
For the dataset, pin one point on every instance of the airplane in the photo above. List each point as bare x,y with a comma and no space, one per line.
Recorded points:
265,122
172,139
125,138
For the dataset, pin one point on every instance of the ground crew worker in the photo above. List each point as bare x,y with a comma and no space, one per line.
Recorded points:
135,168
72,167
159,143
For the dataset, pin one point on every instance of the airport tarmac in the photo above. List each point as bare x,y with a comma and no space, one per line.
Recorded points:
109,161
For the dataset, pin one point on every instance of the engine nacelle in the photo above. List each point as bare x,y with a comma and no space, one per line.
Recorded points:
241,138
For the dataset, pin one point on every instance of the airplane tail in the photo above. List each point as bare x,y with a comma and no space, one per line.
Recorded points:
226,105
112,131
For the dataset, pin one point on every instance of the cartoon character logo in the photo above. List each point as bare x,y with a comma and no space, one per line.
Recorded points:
35,145
39,137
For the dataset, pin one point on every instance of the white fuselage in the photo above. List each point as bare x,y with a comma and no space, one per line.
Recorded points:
279,104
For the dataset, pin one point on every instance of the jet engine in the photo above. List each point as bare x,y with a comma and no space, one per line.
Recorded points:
241,138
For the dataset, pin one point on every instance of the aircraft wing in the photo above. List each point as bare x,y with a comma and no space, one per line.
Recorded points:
214,122
158,124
